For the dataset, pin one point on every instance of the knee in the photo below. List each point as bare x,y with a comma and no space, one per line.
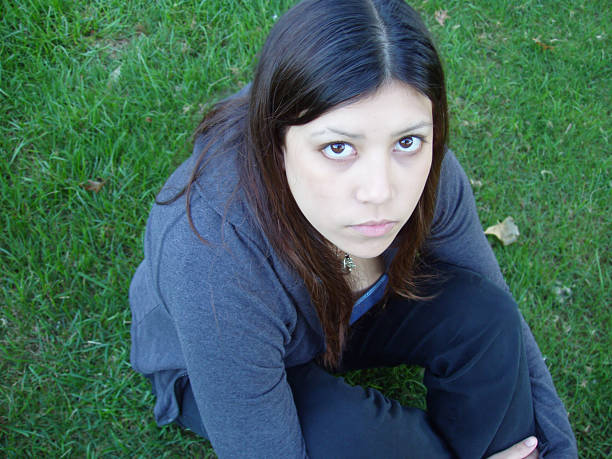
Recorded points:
479,322
477,307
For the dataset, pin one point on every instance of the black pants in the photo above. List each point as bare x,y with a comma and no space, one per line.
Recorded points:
468,340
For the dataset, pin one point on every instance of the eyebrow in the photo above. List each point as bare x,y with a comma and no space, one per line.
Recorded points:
350,135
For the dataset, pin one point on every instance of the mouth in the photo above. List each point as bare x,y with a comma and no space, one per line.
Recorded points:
374,228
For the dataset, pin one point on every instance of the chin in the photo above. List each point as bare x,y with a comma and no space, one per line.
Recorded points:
373,252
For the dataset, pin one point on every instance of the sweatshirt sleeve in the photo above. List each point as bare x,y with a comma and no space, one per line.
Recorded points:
233,324
457,237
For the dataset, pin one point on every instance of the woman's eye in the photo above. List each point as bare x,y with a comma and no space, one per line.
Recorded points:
338,150
409,144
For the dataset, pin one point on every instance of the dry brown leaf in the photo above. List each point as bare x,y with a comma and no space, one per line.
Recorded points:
507,231
542,45
441,16
94,185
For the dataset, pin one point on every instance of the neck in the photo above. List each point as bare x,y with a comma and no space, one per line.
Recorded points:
366,273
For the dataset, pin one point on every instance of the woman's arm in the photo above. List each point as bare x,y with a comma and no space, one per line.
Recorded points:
457,237
229,319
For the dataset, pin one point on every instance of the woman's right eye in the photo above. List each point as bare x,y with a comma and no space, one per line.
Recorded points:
338,150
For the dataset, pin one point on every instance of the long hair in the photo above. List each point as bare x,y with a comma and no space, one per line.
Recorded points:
320,54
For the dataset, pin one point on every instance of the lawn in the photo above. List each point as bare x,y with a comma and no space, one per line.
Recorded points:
98,101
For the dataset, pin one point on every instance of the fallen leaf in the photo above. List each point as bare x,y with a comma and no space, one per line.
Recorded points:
94,185
542,44
507,231
555,318
114,75
441,16
562,293
476,183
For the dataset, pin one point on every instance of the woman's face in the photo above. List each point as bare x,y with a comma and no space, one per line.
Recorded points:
358,171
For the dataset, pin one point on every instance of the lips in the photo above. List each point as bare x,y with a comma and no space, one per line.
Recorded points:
374,228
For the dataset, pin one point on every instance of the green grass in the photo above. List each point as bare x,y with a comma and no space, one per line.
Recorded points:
531,123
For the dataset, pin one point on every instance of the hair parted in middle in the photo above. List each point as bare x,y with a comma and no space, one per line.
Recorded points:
322,54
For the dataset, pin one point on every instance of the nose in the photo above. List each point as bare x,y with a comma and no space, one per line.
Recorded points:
374,182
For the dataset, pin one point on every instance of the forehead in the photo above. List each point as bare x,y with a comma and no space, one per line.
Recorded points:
391,107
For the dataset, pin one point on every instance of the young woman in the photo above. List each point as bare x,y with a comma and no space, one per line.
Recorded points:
321,226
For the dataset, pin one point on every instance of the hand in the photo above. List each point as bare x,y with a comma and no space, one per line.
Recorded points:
525,449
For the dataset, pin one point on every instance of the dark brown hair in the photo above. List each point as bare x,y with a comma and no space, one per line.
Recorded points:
320,54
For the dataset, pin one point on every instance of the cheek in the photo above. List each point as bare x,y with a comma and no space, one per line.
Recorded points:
424,174
426,168
314,191
414,181
307,177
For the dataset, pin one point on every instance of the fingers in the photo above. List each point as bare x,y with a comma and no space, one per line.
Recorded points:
525,449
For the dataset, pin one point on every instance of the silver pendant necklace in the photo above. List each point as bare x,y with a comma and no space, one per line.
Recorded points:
347,263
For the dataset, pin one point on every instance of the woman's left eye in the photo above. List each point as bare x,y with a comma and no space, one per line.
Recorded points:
410,144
